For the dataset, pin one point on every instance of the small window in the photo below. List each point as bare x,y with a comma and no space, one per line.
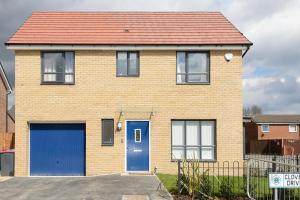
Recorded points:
107,132
58,67
193,140
292,128
192,67
137,136
128,63
265,128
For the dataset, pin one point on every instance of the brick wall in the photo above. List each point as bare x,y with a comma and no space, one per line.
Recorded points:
98,93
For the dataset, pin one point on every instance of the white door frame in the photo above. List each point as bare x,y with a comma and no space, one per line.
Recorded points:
149,141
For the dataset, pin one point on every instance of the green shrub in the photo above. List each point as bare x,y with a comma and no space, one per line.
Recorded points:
226,188
205,188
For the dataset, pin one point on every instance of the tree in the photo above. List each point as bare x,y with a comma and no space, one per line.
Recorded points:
252,110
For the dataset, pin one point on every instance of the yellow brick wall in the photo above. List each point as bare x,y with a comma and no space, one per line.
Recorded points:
98,93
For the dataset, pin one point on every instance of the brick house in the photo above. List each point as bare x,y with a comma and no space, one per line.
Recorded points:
106,92
273,134
6,120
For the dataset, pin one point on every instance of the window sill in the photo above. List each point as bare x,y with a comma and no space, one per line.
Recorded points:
204,161
107,145
193,83
50,83
131,76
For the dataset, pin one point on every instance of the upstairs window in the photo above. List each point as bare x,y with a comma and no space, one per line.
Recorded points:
58,67
265,128
128,63
292,128
193,68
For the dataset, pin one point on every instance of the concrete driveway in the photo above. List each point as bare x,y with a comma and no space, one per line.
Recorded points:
110,187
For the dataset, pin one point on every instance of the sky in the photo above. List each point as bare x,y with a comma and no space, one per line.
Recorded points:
271,76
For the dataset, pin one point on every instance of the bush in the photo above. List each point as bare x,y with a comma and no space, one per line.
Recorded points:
205,188
226,188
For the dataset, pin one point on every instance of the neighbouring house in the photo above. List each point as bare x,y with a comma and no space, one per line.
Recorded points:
272,134
107,92
6,121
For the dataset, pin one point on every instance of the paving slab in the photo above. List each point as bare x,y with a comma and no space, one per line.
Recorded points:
110,187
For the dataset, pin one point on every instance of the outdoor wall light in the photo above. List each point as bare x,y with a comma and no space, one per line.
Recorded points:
119,126
228,56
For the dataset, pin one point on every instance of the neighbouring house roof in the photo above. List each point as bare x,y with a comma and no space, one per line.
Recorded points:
128,28
277,119
11,112
4,78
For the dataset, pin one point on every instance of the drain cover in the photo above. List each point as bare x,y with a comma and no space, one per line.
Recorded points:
135,197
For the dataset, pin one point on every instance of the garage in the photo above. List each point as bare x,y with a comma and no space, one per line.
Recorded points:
57,149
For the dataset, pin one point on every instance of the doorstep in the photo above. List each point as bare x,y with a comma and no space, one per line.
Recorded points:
4,178
137,174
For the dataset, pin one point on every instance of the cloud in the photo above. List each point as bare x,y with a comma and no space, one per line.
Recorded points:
264,91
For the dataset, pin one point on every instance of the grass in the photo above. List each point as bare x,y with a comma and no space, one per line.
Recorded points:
169,181
238,182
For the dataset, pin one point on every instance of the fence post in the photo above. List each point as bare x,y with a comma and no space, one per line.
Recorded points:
297,162
274,191
178,177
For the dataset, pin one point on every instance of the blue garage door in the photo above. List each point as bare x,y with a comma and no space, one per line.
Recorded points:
57,149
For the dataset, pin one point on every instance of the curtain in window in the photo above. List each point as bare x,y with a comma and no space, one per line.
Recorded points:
49,67
122,64
207,140
69,67
178,139
192,140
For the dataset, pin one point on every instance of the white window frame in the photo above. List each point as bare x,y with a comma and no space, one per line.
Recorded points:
262,129
290,129
138,141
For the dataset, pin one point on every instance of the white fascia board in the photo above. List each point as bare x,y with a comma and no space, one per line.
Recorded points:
126,47
278,123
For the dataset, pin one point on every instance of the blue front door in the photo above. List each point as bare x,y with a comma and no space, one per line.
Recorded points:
57,149
137,146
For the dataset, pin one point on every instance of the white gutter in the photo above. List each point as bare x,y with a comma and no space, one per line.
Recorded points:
279,123
126,47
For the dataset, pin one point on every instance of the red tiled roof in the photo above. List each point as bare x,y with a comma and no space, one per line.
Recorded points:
166,28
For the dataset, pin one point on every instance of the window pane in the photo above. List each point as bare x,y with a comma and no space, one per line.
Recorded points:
137,135
69,57
265,127
107,131
197,62
192,133
180,62
133,64
49,77
178,153
69,78
53,62
207,133
122,64
207,153
181,79
293,128
193,153
202,78
177,133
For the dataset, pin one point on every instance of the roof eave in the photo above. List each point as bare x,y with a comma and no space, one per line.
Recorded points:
43,46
